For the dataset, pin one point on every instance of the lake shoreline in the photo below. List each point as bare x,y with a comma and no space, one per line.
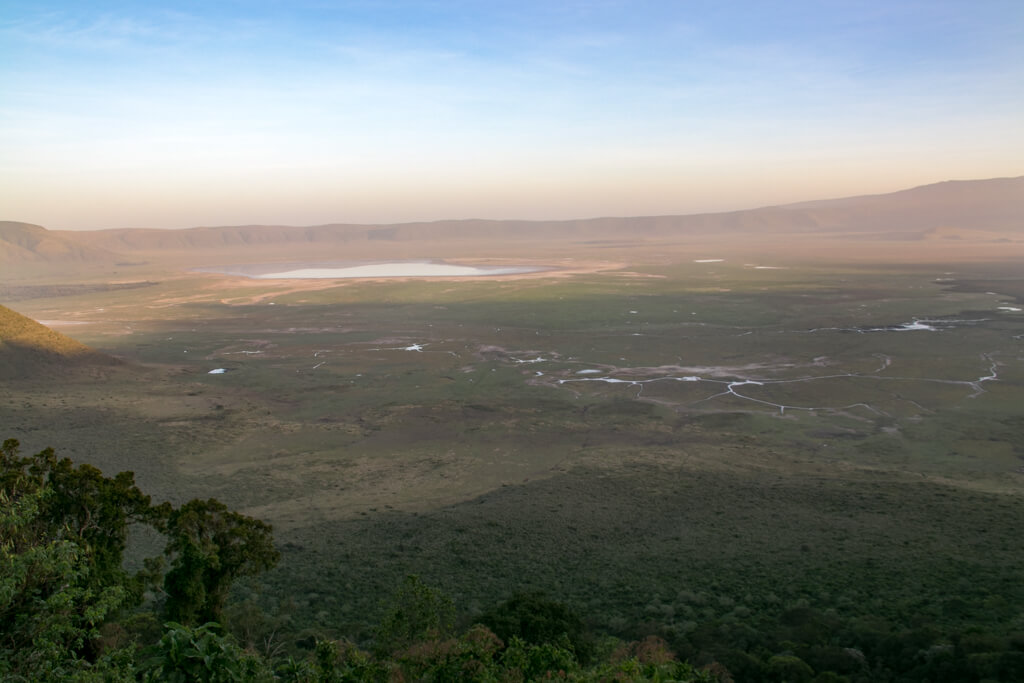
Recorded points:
373,269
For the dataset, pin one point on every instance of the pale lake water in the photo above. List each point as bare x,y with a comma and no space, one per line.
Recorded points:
368,270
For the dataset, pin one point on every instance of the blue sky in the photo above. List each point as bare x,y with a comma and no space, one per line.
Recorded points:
150,114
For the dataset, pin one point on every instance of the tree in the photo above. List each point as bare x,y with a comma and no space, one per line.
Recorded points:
210,546
203,654
63,533
62,538
788,669
50,609
416,612
538,620
82,505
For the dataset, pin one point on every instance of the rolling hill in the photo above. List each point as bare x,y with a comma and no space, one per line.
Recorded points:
25,242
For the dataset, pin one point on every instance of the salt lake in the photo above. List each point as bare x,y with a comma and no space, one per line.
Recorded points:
369,270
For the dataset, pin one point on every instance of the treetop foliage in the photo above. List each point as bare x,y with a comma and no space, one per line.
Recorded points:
63,536
210,546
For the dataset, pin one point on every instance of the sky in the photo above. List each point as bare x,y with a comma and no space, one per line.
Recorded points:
303,112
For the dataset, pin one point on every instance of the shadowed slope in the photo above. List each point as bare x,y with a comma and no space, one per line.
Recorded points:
29,349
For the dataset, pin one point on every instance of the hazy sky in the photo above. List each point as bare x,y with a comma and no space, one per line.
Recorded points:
156,114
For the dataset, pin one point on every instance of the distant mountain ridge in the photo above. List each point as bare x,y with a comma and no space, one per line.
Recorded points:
25,242
981,206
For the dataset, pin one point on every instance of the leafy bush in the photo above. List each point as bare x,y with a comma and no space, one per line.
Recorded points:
203,654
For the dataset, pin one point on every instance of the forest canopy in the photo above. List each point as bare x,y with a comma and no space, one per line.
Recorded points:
70,609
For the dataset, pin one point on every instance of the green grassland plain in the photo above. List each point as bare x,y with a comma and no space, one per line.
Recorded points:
661,443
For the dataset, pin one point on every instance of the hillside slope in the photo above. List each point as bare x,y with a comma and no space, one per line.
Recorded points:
30,349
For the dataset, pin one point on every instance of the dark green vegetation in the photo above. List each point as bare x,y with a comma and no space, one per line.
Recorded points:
854,511
63,535
69,611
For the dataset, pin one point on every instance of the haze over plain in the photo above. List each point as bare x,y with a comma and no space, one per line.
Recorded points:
166,115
